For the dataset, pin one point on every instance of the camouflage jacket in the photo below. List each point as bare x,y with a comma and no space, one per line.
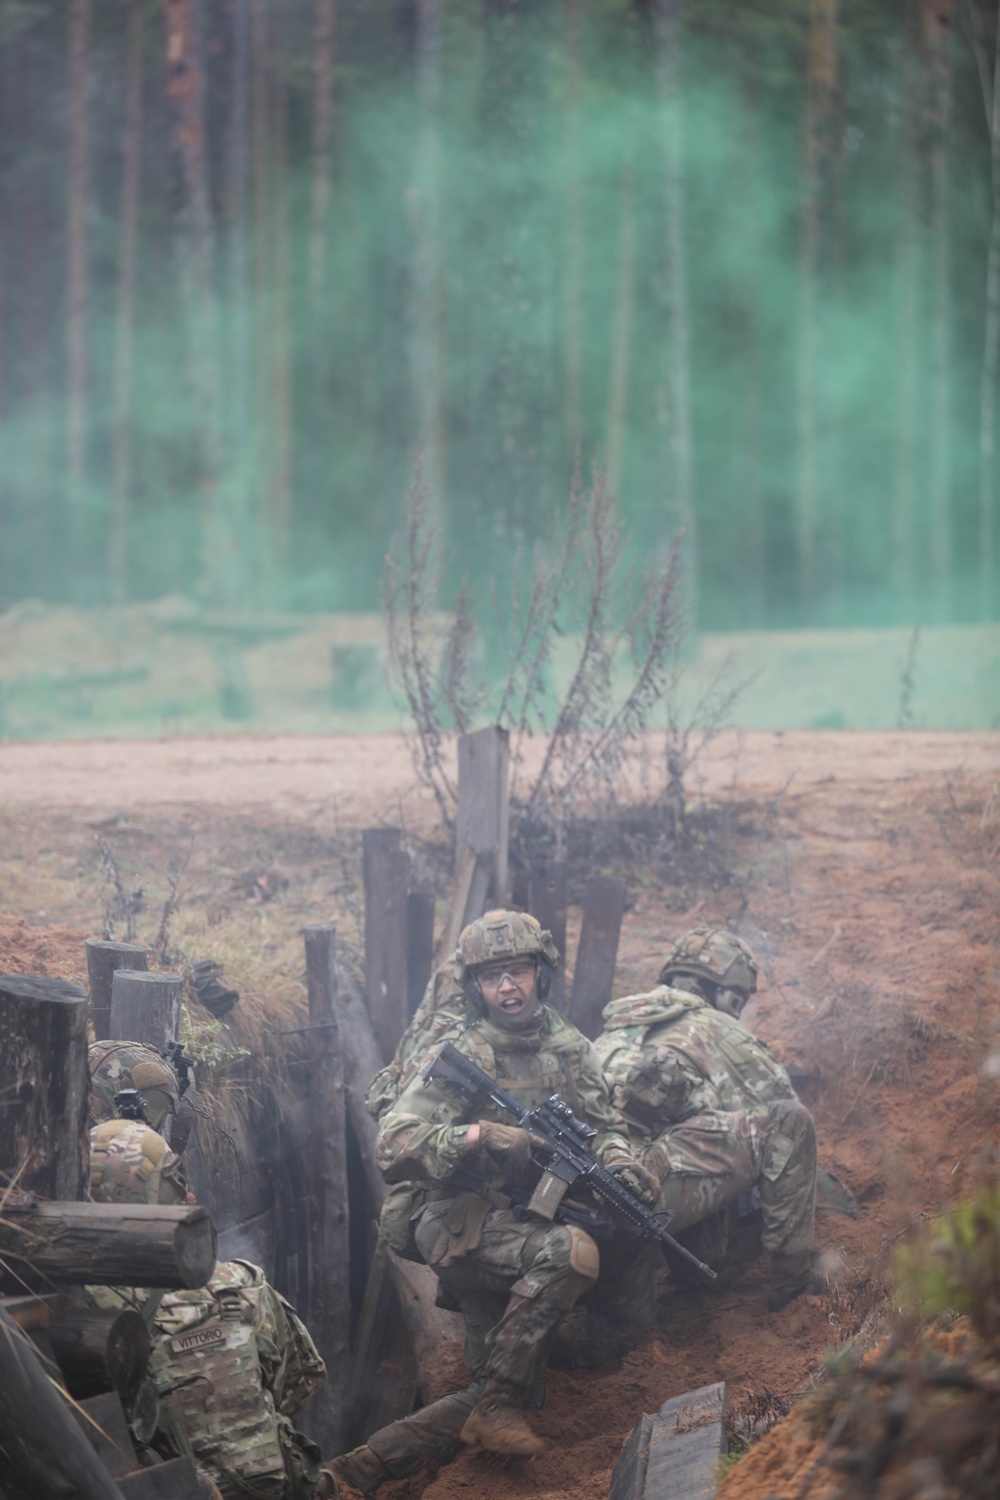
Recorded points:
668,1055
232,1362
423,1135
443,1008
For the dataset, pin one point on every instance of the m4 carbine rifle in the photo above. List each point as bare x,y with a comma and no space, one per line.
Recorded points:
565,1158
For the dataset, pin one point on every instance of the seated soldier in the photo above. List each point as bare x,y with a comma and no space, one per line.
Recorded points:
711,1112
511,1276
231,1360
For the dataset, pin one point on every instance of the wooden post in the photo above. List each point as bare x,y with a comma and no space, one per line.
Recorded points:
145,1007
386,881
432,1331
329,1311
98,1347
420,947
482,820
547,902
593,977
106,1244
102,960
45,1088
42,1450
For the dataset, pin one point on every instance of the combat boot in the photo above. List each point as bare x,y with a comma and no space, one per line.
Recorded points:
362,1469
791,1277
497,1422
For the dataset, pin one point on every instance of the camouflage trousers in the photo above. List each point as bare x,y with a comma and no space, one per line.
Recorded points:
429,1435
513,1280
705,1162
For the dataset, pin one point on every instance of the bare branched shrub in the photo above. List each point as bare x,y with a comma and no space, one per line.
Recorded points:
121,903
626,628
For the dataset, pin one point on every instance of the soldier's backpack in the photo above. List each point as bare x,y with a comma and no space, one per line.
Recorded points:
232,1363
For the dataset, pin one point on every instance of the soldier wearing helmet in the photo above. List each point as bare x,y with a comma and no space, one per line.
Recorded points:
235,1338
711,1111
131,1065
512,1277
715,964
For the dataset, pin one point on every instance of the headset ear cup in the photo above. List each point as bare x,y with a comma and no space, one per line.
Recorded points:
474,994
544,987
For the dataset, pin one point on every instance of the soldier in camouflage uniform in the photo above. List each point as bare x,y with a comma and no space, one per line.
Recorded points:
231,1360
712,1111
511,1277
131,1065
442,1008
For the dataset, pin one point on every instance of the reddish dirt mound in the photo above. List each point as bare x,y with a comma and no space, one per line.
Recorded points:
57,952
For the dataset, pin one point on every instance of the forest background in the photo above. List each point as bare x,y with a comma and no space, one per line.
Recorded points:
256,255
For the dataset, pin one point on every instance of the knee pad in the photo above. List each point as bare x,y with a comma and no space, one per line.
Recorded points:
584,1256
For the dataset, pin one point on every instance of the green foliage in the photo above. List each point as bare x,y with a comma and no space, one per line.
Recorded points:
954,1265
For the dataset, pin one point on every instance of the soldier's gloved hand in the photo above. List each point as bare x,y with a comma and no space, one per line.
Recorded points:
635,1177
509,1145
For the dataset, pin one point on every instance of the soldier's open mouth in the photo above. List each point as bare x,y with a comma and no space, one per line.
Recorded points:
514,1004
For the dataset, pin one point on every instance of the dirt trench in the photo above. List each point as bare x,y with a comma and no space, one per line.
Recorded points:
872,901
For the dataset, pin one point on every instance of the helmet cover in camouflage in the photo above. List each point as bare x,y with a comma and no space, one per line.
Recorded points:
502,934
714,954
131,1065
129,1163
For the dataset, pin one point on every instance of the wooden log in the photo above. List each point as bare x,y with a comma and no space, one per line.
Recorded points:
108,1244
594,974
104,1425
143,1411
482,820
687,1439
103,958
42,1450
419,947
100,1349
145,1007
44,1143
547,902
328,1308
386,869
33,1312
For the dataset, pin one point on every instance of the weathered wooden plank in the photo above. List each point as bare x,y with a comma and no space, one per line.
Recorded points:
102,1421
547,902
688,1435
420,946
44,1142
100,1349
386,868
42,1451
103,958
145,1007
628,1476
482,820
328,1310
594,973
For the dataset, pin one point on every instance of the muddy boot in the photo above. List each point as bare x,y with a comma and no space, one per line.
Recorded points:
497,1422
362,1469
791,1277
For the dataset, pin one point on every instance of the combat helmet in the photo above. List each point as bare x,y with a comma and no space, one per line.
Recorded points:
130,1163
504,934
719,959
131,1065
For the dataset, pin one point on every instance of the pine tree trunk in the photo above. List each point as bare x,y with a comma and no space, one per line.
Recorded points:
195,256
621,334
426,311
237,345
991,349
319,198
261,279
907,313
280,518
573,255
821,83
122,376
937,123
77,258
680,469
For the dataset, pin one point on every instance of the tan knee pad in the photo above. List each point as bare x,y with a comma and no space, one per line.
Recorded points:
584,1256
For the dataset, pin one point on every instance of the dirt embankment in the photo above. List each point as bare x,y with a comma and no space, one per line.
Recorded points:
868,884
